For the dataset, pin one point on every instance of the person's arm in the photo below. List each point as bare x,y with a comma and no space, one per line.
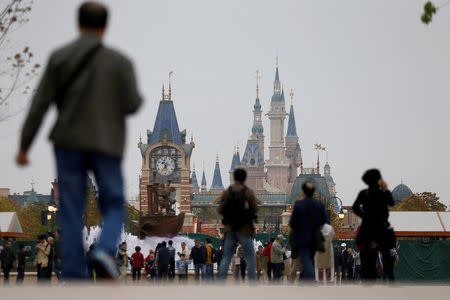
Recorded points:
44,96
132,100
356,207
389,199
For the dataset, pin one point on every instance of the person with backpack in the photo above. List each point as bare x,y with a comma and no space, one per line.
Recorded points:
210,260
238,208
375,233
307,218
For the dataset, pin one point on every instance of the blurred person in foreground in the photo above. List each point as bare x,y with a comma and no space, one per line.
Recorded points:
307,218
375,233
94,89
238,208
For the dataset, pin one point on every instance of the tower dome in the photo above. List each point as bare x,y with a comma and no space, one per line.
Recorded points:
401,192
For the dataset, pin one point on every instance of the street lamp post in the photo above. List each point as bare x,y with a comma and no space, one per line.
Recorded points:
52,209
341,213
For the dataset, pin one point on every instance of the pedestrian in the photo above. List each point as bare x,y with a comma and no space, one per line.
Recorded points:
186,252
51,258
324,261
375,233
171,260
7,260
163,261
150,265
210,260
57,254
219,256
307,218
259,262
357,259
137,263
238,208
350,264
278,251
198,256
94,90
268,253
21,261
182,267
338,264
344,254
122,258
41,259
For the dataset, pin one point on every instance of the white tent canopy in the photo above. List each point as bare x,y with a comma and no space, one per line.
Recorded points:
9,223
420,221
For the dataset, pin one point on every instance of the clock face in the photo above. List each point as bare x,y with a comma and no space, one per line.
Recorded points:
165,165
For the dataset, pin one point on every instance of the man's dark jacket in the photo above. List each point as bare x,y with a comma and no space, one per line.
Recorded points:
163,256
307,216
198,255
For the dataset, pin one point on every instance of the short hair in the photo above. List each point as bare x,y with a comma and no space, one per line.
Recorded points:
308,188
208,240
170,243
92,15
137,248
240,175
163,244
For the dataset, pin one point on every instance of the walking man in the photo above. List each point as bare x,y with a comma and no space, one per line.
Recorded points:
7,259
238,208
94,90
171,260
307,217
198,256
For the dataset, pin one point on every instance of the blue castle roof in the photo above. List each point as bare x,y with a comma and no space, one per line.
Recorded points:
194,182
252,154
203,178
235,161
217,178
292,128
166,124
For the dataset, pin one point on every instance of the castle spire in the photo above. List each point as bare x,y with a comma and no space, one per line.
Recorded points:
292,128
217,177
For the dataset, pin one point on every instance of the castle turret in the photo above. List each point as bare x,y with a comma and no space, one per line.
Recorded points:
217,185
194,183
235,163
293,150
203,184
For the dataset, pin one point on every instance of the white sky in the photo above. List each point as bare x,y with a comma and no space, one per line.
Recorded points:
371,82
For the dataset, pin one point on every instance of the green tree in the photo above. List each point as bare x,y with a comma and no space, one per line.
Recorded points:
425,201
7,205
131,218
30,219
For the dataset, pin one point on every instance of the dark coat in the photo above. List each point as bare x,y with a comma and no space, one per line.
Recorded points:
198,255
307,216
7,258
371,206
163,256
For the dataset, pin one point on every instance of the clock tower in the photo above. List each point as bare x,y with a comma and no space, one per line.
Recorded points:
166,159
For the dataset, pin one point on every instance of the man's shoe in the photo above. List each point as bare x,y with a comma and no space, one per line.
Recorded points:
104,265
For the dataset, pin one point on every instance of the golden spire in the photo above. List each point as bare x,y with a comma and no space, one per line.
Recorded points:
258,76
291,93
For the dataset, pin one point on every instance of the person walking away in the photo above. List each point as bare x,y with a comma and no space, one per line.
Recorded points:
210,260
268,253
182,267
123,259
7,260
41,259
137,263
163,261
259,262
277,253
21,261
338,264
198,256
307,218
238,208
357,258
150,265
374,233
82,79
171,260
324,261
51,258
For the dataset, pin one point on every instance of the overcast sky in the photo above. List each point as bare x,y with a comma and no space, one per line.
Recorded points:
371,82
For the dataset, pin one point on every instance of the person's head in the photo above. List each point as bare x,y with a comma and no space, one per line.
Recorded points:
371,177
240,175
92,18
260,248
8,244
308,189
41,238
182,256
183,245
50,240
280,238
197,243
208,240
123,246
137,249
163,244
170,243
150,251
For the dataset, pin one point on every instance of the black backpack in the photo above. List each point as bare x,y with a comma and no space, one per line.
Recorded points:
237,212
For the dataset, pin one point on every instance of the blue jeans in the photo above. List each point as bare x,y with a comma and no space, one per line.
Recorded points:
209,271
231,239
199,268
306,256
72,167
